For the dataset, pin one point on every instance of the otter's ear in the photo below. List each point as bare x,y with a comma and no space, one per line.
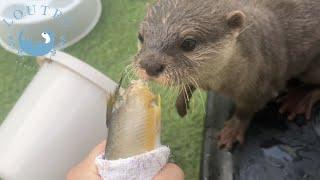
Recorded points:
236,19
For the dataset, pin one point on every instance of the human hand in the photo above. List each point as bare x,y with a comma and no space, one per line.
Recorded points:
87,170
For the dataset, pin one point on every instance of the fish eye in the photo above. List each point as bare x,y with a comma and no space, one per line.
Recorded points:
189,44
140,37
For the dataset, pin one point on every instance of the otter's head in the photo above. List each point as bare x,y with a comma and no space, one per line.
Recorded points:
182,41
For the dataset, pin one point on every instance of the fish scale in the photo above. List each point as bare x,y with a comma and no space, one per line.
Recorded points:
134,125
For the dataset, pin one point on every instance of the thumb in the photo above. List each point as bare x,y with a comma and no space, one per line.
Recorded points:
98,150
87,170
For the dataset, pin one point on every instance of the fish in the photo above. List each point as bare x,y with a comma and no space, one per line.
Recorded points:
133,121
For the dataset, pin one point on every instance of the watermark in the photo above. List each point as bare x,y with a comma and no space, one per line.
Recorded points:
25,41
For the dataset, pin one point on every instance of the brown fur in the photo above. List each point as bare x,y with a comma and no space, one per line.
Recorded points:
246,49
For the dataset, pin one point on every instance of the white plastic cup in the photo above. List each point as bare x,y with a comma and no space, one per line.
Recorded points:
57,121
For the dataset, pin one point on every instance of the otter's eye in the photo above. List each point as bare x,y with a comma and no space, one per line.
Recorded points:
140,37
188,45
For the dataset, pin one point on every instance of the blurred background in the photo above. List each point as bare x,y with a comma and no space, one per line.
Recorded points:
110,47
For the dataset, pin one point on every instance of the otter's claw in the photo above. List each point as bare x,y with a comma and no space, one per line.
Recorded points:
232,133
299,102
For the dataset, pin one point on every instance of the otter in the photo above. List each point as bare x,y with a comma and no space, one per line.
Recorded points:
243,49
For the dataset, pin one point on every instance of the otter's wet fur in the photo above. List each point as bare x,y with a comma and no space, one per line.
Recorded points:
244,49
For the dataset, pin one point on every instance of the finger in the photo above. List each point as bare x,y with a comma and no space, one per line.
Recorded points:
90,160
87,170
170,172
98,150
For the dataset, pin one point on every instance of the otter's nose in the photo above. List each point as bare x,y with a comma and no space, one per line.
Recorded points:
152,68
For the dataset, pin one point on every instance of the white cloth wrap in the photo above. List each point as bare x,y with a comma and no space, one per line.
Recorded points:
141,167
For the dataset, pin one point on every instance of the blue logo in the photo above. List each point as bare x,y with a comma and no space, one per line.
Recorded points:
37,48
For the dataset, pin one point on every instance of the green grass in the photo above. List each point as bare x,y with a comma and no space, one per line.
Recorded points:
110,48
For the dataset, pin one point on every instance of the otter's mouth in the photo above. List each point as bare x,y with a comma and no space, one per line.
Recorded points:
166,74
161,78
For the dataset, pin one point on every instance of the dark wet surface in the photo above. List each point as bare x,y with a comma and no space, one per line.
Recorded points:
280,150
275,148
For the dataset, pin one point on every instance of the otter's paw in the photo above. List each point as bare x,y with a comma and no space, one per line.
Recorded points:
299,101
232,133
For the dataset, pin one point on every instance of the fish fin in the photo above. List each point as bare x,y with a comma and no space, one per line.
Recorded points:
110,104
112,98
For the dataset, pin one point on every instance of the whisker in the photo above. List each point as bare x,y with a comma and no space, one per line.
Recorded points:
200,94
246,28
